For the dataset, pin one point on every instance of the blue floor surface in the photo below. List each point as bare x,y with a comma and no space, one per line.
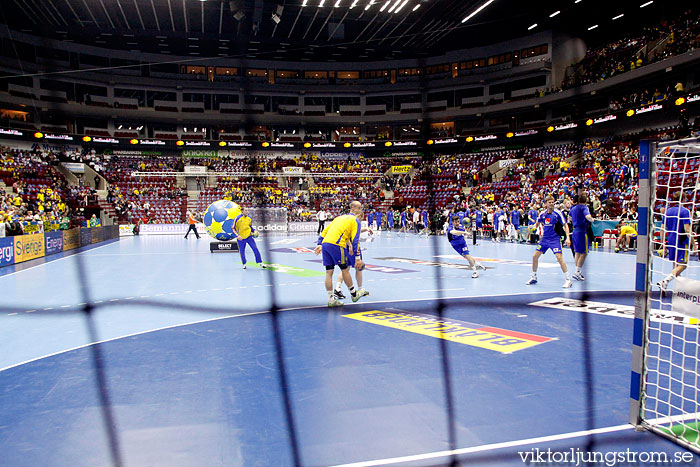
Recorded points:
192,375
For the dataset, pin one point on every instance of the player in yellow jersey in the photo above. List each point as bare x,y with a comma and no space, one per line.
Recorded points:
339,240
627,233
245,234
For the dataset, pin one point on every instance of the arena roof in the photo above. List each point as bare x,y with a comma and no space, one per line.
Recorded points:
327,30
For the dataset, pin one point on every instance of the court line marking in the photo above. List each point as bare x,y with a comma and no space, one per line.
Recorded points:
283,309
489,447
131,335
48,260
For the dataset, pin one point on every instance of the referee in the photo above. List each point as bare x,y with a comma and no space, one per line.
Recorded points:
321,216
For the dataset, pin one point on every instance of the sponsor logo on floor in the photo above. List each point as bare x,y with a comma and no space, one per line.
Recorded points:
611,309
297,249
292,270
475,335
430,263
375,268
515,262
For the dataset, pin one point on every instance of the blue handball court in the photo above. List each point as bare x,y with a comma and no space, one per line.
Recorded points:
153,351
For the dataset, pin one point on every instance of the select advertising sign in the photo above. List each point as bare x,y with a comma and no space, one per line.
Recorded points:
29,247
401,169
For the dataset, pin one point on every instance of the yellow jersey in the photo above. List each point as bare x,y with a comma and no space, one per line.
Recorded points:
628,230
241,226
342,230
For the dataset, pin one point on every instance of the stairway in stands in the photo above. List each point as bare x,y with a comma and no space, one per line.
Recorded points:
110,215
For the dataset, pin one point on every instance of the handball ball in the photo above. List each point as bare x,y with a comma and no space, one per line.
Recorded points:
219,217
256,234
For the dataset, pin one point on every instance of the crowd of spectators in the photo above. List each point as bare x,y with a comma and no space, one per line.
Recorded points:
632,52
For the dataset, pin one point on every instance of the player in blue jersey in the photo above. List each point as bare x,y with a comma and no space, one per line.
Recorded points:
404,222
378,219
389,221
426,224
515,225
532,220
479,220
580,218
455,235
677,224
370,217
549,220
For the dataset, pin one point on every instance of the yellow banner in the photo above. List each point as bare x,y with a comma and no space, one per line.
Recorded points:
476,335
28,247
71,239
401,169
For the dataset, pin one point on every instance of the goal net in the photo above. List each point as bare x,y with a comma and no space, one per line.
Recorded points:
665,388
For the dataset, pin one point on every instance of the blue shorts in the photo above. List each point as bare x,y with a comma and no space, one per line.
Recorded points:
333,255
403,223
580,241
542,247
351,259
461,248
390,224
678,254
479,225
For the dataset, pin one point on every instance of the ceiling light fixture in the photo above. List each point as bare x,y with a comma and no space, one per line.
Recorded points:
593,27
477,11
401,6
555,14
646,4
385,5
618,16
532,27
320,5
337,4
416,7
393,7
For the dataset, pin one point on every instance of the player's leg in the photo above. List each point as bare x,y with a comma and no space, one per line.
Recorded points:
535,264
679,256
241,249
256,252
579,243
564,269
331,257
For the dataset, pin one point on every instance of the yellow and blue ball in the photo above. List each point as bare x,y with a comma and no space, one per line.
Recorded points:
219,218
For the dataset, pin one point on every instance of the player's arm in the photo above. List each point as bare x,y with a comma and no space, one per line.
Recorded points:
323,234
458,232
354,233
235,224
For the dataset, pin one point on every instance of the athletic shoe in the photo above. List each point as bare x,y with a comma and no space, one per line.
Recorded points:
356,296
362,292
627,249
531,281
475,275
567,284
244,266
334,303
578,276
337,294
480,266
